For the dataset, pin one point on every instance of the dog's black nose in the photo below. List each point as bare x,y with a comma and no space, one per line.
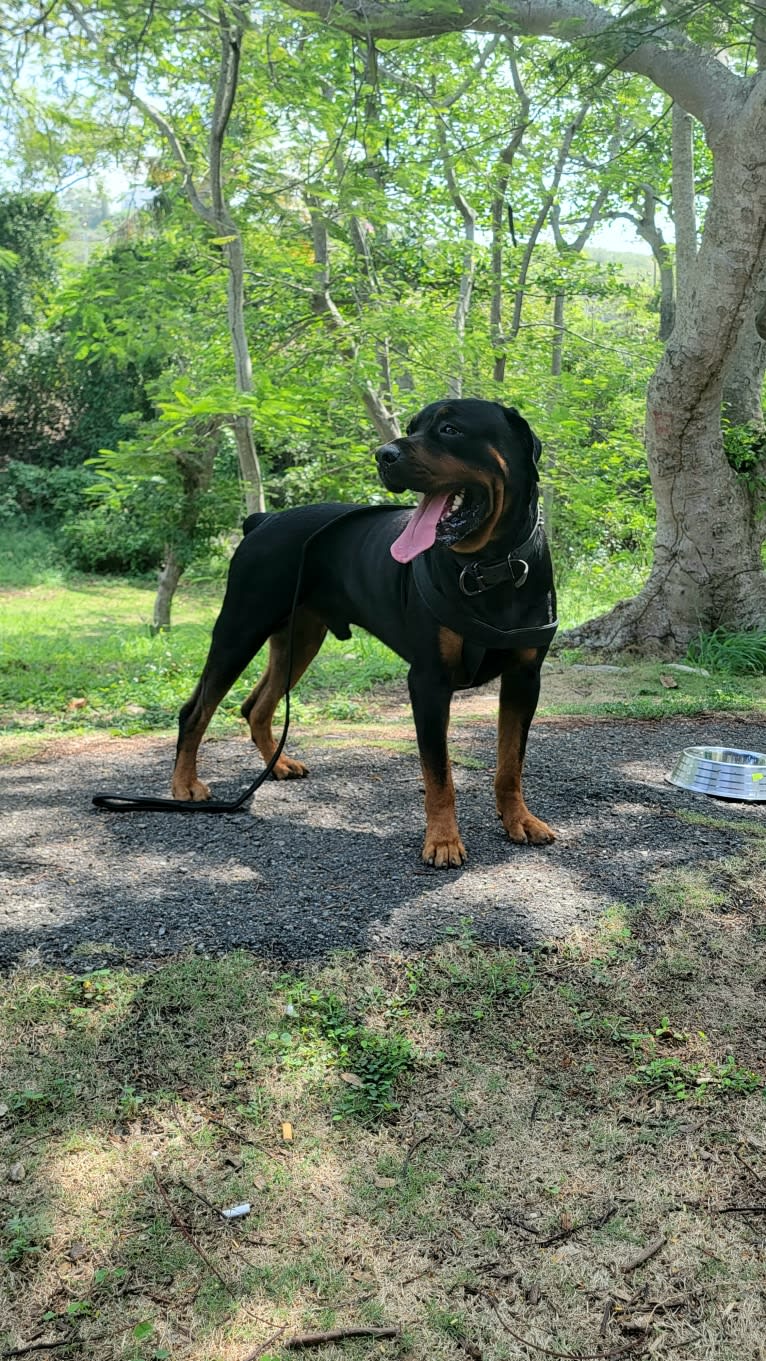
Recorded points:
387,454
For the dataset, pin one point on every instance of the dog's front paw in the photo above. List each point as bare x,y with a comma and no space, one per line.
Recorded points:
524,828
444,849
189,791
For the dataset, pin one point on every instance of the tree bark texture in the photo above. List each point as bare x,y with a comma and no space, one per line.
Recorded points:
684,210
746,367
500,205
247,454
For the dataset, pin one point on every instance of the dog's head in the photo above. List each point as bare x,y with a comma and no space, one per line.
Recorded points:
474,462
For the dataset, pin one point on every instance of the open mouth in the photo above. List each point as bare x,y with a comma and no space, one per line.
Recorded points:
441,517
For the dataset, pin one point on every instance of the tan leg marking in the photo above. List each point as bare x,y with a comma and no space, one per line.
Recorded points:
185,783
450,649
521,825
260,705
442,847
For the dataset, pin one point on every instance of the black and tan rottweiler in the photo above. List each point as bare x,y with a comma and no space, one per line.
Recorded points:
462,589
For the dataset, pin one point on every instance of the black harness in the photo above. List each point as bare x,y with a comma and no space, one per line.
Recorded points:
470,599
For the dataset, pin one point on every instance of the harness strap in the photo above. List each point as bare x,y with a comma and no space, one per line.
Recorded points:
478,577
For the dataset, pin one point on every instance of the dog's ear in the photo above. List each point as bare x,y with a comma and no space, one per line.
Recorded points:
525,434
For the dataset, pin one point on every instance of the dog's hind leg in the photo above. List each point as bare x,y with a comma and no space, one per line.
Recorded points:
308,635
228,656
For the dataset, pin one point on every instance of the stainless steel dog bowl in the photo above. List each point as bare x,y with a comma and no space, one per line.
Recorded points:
723,772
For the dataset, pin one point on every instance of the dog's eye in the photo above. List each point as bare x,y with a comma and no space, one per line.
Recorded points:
450,430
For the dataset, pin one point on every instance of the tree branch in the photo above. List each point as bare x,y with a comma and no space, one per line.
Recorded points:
127,88
545,207
225,92
697,79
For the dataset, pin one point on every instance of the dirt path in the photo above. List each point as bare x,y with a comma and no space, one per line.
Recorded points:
332,862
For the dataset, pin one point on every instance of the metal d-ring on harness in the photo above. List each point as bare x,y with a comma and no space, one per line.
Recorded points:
487,575
139,803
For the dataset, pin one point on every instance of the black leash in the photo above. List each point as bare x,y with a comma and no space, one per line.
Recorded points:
138,803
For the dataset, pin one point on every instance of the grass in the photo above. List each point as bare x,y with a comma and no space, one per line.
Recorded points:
77,656
471,1145
738,654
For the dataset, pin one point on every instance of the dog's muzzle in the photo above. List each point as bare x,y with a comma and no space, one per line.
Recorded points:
387,455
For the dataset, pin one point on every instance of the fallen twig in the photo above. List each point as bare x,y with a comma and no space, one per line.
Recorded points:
253,1356
200,1196
412,1149
419,1276
630,1347
243,1138
597,1223
605,1317
518,1223
465,1123
335,1335
43,1346
748,1166
741,1209
188,1235
648,1252
538,1101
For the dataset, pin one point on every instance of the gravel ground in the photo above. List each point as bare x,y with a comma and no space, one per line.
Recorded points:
333,861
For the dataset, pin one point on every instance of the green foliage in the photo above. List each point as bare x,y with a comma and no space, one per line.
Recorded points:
745,447
111,541
46,495
29,225
22,1238
371,1063
732,653
133,357
683,1079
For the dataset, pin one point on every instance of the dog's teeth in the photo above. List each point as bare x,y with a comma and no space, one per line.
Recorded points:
457,501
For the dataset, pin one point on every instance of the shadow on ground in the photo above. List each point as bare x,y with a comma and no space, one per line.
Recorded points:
332,862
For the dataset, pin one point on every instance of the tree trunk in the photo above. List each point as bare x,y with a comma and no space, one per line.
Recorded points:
249,464
667,298
496,271
557,353
707,571
167,581
684,211
745,370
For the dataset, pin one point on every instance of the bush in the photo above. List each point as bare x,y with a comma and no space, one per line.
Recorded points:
28,492
110,541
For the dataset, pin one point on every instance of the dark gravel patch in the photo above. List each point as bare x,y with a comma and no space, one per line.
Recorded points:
332,861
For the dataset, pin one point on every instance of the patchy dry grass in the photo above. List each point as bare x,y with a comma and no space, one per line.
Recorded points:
483,1145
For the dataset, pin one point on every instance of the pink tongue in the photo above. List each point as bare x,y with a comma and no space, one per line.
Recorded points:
421,529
